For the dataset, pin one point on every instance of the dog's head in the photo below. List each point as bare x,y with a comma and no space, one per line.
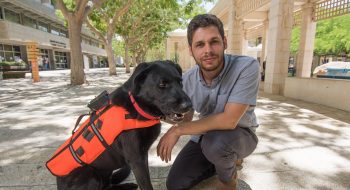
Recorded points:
157,88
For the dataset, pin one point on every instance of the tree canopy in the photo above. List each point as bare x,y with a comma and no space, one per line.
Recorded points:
142,24
332,37
147,22
104,21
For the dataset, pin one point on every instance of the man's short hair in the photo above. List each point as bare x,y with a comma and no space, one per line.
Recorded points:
204,20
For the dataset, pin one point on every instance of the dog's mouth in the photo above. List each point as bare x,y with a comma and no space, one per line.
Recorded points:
177,117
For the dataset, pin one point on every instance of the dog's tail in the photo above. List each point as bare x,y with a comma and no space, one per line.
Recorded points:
120,174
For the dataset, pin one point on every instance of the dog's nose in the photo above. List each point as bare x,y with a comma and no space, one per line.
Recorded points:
185,106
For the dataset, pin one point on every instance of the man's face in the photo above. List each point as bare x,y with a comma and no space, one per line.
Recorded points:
208,48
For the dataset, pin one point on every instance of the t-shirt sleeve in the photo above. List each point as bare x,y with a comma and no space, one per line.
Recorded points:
245,90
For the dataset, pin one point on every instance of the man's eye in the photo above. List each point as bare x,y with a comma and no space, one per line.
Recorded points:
215,42
199,45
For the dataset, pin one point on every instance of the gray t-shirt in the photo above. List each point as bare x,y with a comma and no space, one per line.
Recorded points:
238,82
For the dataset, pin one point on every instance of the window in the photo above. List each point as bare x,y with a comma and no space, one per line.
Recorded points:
86,40
29,22
61,60
10,53
2,55
1,16
43,26
44,61
7,48
55,30
95,43
64,33
12,16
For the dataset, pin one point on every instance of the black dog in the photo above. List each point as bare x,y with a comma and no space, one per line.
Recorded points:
157,89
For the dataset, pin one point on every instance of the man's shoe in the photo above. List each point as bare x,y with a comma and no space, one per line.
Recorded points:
239,163
231,185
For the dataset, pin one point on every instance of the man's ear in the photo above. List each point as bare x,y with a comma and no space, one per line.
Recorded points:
190,51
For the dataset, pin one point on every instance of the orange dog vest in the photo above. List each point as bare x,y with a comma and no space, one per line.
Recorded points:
94,136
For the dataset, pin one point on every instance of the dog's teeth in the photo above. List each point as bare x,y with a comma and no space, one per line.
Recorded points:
177,115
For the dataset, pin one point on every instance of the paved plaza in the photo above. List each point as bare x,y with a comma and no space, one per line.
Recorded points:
301,145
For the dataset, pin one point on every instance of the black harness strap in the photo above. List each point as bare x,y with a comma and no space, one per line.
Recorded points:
75,156
96,131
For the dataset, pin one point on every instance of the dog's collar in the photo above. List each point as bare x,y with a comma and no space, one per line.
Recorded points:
139,110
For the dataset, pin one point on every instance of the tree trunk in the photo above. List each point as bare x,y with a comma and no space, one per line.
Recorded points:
126,61
76,55
111,61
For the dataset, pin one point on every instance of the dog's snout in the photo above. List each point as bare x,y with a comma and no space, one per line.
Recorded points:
185,105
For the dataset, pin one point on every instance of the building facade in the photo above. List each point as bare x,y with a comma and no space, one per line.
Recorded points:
36,21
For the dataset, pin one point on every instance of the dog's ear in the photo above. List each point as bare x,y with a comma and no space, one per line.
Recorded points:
177,66
139,74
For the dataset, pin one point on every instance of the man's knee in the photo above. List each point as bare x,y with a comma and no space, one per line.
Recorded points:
176,184
215,150
170,184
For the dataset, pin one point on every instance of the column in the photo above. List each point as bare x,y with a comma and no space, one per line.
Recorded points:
264,40
168,47
237,36
280,27
306,45
231,17
238,42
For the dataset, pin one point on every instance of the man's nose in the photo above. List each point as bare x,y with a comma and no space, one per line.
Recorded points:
208,48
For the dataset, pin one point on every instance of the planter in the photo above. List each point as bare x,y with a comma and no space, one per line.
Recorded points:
13,74
12,71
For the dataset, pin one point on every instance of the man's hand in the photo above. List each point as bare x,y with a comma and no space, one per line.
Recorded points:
167,143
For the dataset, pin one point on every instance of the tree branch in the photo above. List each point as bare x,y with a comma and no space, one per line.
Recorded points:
120,12
96,4
96,31
80,5
85,9
66,13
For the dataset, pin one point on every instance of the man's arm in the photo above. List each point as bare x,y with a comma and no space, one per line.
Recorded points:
221,121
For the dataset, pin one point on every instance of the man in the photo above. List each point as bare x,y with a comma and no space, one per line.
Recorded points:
223,90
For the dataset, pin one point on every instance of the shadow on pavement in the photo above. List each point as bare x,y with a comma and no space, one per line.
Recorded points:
301,145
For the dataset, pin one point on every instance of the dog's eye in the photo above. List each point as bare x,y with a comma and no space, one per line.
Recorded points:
163,84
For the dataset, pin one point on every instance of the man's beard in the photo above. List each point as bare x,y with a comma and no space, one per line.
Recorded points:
217,65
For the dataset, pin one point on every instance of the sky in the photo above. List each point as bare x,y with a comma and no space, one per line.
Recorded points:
208,6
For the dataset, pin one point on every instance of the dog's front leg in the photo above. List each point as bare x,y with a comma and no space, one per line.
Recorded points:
137,158
141,171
